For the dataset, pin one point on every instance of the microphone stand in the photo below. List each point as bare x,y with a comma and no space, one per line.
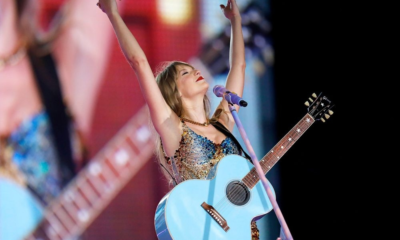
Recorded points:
284,233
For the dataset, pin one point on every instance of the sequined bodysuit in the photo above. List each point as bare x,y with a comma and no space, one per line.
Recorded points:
197,155
34,153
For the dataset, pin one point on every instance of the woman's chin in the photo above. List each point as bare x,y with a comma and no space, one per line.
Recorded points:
206,86
204,83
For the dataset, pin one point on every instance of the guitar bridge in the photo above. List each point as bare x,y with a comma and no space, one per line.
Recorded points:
216,216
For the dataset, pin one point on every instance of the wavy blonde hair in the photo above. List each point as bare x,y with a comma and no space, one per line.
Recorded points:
166,77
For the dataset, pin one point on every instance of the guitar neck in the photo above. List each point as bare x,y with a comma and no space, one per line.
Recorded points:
273,156
99,182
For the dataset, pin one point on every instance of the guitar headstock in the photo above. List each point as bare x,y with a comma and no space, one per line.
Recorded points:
319,107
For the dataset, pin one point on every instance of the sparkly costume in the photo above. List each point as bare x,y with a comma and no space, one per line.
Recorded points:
33,152
197,155
43,147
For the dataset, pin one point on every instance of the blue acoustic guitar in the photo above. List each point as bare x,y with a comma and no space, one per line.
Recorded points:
222,208
66,217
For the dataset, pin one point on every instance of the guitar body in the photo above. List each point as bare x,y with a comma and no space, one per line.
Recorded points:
222,208
180,215
20,212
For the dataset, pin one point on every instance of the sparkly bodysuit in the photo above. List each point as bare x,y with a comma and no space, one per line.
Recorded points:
197,155
34,153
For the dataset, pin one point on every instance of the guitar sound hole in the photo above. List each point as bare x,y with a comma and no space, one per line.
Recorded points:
237,193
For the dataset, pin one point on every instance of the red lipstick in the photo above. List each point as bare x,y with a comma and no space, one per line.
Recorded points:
200,78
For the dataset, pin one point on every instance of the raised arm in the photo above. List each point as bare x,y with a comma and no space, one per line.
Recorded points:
235,79
165,121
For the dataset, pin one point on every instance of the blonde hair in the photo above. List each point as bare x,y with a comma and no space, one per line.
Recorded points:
166,77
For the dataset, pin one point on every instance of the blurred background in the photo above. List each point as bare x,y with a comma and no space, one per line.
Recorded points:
293,49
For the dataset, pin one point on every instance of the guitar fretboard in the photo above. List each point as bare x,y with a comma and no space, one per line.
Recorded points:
99,182
273,156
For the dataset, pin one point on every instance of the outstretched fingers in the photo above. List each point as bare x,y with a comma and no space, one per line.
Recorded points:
228,5
230,10
107,6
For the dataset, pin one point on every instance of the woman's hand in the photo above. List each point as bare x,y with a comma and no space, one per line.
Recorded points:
108,6
231,9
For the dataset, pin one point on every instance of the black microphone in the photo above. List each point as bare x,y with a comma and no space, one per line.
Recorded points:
231,97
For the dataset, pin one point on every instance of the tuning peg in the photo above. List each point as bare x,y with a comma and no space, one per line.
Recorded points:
310,100
330,112
327,116
314,95
307,103
322,119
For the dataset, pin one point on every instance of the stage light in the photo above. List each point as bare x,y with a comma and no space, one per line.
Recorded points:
175,12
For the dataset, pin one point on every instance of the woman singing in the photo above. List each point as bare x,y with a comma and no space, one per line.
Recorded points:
179,107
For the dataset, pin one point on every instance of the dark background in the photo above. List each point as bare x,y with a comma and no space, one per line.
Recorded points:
329,178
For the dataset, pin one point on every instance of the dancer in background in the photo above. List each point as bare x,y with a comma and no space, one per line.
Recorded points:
179,106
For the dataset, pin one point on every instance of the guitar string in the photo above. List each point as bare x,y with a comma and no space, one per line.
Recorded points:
221,205
278,151
237,192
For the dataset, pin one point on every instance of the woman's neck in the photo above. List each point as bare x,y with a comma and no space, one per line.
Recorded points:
194,110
